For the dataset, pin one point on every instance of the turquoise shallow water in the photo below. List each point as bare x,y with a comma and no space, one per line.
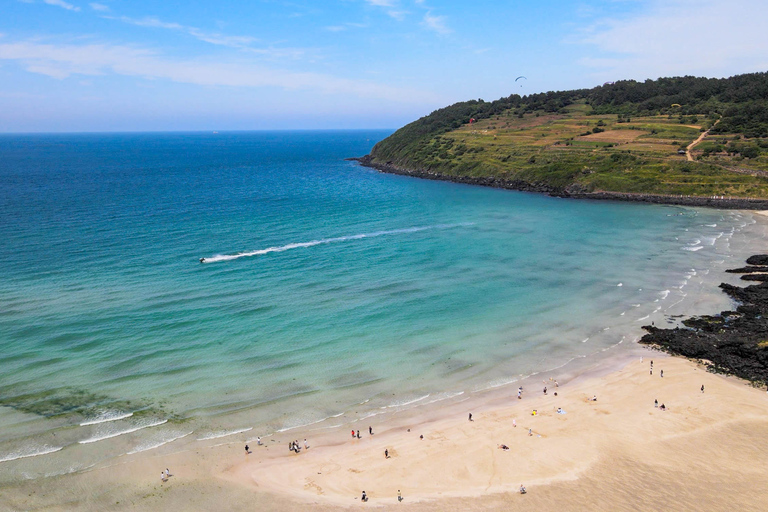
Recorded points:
330,292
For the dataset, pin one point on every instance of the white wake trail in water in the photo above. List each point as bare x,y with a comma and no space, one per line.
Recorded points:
299,245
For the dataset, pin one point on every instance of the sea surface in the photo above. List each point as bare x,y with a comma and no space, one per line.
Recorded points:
328,292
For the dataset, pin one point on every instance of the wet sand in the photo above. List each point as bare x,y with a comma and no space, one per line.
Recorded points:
707,451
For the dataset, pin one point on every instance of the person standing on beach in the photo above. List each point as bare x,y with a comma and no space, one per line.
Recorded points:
386,453
662,374
247,451
353,433
162,476
702,388
358,434
470,417
399,496
545,390
306,446
370,430
258,441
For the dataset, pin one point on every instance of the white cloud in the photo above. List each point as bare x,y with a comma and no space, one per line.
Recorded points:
208,37
99,7
65,60
62,4
436,23
678,37
398,15
382,3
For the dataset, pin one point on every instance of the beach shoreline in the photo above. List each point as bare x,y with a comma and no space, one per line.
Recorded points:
440,472
458,462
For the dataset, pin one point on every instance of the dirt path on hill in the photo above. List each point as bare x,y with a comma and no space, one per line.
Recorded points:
692,144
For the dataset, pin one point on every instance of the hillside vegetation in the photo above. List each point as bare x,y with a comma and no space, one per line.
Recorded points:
623,137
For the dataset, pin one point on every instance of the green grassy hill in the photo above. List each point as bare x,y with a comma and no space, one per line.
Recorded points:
625,137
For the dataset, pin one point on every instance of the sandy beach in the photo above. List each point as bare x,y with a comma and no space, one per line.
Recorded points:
707,451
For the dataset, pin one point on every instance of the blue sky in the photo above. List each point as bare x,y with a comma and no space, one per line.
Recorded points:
115,65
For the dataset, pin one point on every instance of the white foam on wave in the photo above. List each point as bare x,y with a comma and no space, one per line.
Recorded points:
711,225
444,396
697,248
106,417
620,284
664,294
646,317
407,402
292,427
223,433
121,432
695,242
30,452
299,245
585,340
157,444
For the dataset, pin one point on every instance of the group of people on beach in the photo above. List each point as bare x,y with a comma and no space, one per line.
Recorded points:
294,446
356,433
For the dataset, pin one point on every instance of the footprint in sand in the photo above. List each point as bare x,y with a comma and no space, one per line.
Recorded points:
312,485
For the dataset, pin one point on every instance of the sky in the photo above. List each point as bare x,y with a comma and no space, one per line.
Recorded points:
141,65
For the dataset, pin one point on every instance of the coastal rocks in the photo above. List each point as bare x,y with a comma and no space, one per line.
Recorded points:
573,191
734,342
758,259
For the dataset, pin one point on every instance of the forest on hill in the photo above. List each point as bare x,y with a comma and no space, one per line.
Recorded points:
671,136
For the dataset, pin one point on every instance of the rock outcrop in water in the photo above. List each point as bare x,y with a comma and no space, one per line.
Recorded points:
734,342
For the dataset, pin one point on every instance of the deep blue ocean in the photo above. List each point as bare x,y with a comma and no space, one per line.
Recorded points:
329,292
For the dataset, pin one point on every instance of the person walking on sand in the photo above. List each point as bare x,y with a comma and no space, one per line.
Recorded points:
163,477
358,434
662,374
545,390
364,497
370,431
386,453
656,403
702,388
258,441
353,433
514,422
167,473
399,496
306,446
247,451
470,417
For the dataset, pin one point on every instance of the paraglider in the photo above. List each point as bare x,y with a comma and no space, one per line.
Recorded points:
518,78
608,83
676,105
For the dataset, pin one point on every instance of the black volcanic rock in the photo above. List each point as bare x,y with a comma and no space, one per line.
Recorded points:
758,259
746,270
734,342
